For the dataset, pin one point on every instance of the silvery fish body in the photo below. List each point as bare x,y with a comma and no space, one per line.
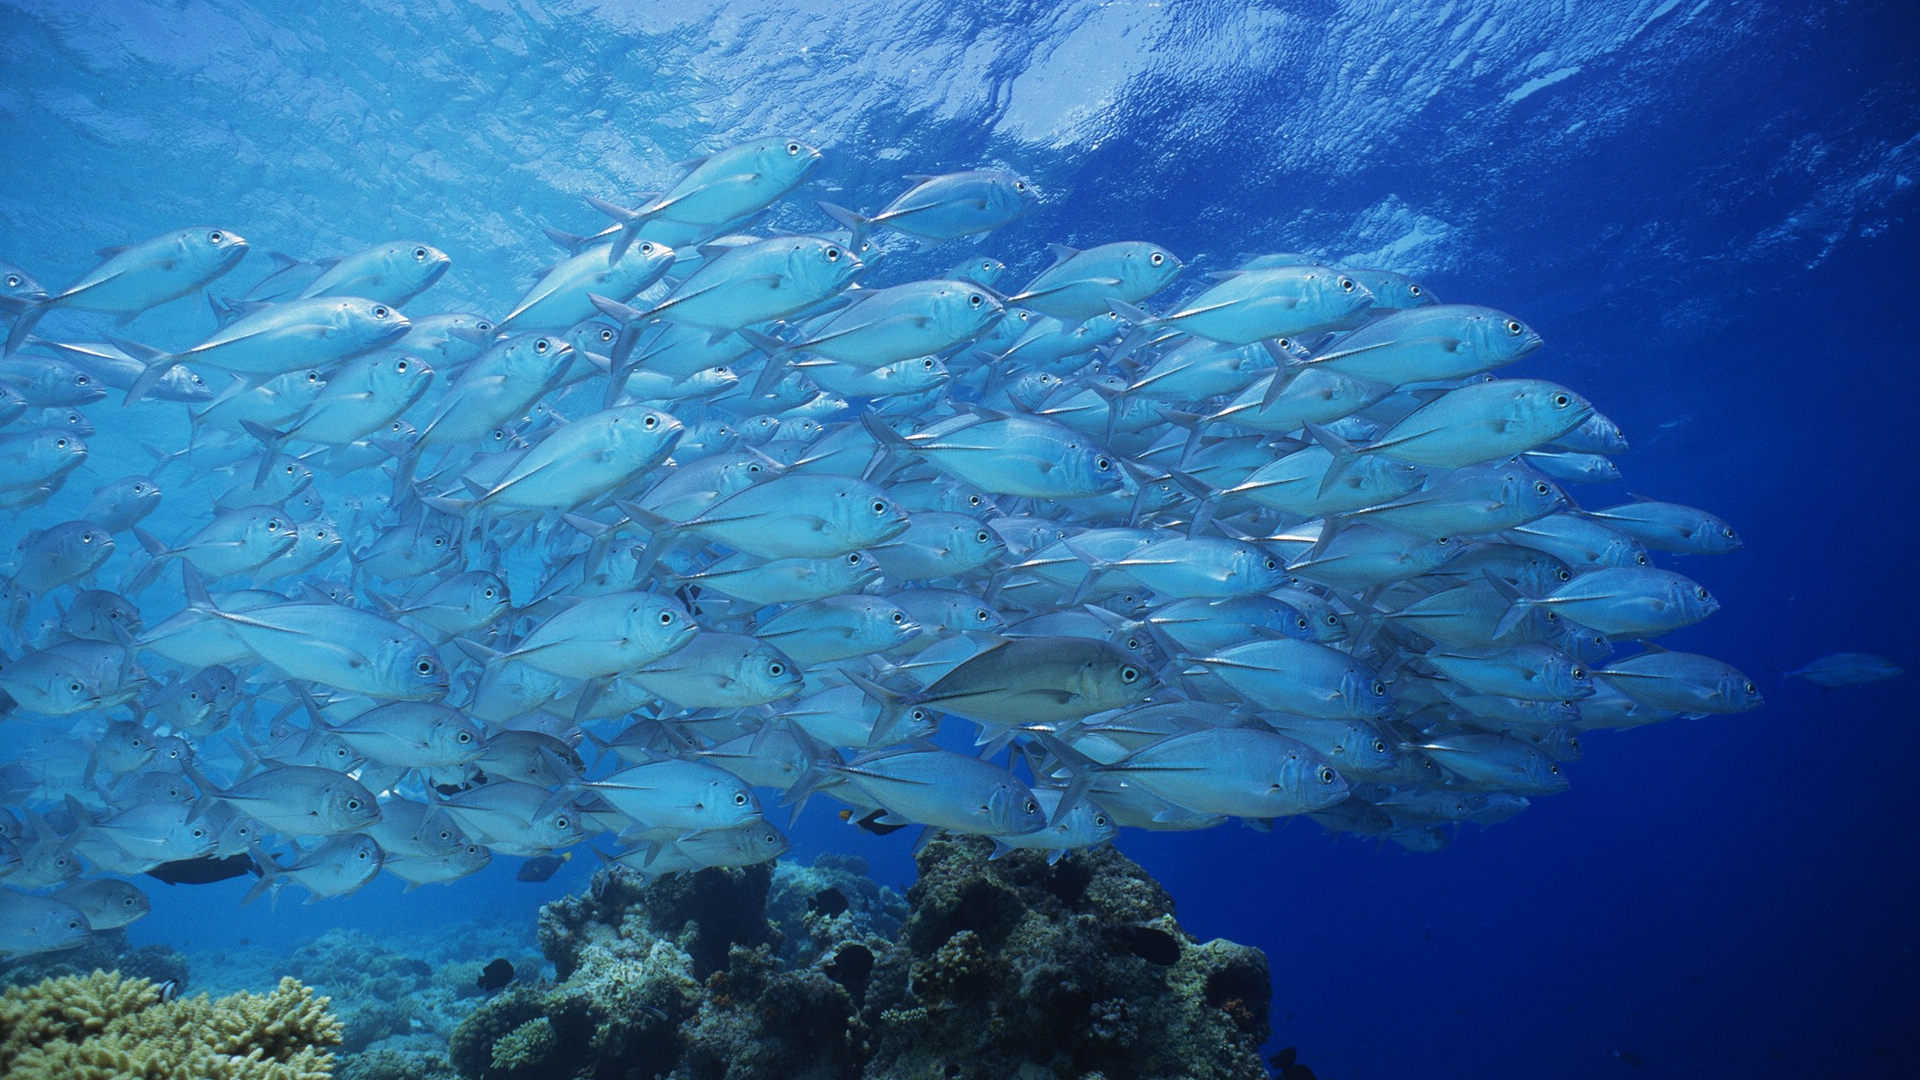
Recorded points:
946,790
392,273
560,298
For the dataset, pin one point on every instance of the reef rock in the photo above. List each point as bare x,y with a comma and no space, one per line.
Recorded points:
989,969
1013,967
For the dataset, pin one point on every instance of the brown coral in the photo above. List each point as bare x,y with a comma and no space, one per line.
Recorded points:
107,1027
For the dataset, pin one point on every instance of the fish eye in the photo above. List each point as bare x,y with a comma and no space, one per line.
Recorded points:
1102,464
73,688
606,333
419,253
976,299
13,281
289,470
1379,688
313,376
879,507
1270,564
87,538
739,798
439,541
483,326
273,524
793,149
464,737
542,345
1346,284
1332,619
981,536
1156,258
666,618
215,236
1326,775
646,247
353,804
776,668
1032,807
1564,575
833,254
380,311
1514,327
59,444
1129,674
650,422
400,366
1640,559
1749,687
1413,290
560,822
1554,769
81,380
1540,487
1579,673
1701,592
1561,401
424,667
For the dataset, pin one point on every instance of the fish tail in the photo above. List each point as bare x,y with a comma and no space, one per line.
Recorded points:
630,222
159,554
271,441
23,324
1344,453
854,223
157,365
270,876
572,242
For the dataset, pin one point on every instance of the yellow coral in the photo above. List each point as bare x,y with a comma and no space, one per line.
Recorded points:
67,1008
131,1035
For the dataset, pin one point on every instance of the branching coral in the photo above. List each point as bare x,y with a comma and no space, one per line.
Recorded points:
104,1026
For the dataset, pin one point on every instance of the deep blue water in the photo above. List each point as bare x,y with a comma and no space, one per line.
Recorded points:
1708,209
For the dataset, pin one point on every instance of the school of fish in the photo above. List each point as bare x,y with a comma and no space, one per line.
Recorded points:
714,520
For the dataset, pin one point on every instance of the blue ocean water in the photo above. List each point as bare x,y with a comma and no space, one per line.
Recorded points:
1707,208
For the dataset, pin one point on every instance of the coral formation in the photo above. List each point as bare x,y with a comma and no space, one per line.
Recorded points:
1002,968
399,1001
105,1026
1015,967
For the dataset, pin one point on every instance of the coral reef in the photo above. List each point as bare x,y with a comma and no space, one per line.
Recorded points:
105,1026
991,969
1012,967
398,1002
